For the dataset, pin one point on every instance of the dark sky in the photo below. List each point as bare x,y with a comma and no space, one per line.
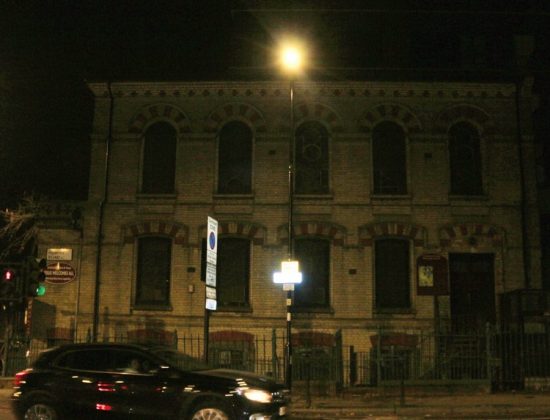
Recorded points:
48,49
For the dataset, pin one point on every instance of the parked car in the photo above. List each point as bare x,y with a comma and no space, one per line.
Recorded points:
135,381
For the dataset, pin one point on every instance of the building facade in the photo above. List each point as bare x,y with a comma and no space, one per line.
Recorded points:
414,208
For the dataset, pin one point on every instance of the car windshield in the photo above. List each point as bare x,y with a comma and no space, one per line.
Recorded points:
180,360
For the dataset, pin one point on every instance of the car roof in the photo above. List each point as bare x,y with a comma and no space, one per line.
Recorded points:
52,352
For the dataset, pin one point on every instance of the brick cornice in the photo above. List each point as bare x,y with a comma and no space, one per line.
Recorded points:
279,89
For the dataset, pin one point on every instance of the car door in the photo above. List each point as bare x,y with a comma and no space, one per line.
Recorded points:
147,390
83,380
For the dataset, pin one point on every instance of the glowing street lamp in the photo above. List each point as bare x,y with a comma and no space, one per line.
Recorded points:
291,59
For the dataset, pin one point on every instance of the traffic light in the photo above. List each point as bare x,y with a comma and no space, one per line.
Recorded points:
34,277
9,282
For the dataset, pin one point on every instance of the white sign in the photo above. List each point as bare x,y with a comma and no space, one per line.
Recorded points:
210,275
210,293
211,304
289,274
59,254
212,241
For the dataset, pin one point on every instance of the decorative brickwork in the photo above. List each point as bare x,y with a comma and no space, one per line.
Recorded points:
253,231
464,112
321,112
471,231
367,233
235,111
390,112
313,339
156,112
176,231
335,233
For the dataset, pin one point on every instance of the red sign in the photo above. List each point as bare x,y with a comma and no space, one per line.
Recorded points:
59,273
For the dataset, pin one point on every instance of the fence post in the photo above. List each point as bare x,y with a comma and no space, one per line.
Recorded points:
274,361
352,366
175,343
339,361
488,353
379,357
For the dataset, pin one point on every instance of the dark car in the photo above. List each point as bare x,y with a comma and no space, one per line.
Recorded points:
133,381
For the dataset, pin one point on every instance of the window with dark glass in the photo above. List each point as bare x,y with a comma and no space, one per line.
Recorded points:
159,159
311,155
313,254
465,159
233,271
153,271
389,159
392,283
235,159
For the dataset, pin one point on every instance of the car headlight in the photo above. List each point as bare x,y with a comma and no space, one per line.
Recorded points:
257,395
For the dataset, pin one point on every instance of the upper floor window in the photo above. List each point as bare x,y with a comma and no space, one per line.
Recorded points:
311,155
233,272
392,283
313,255
153,271
465,159
235,159
389,159
159,159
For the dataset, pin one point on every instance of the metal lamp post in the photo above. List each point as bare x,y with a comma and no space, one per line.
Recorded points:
291,60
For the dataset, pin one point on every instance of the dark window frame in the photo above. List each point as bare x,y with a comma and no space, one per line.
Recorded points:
235,158
307,295
389,169
312,159
465,159
223,274
159,159
142,268
390,274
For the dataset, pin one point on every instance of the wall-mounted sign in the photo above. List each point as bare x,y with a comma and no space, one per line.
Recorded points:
432,275
59,254
59,273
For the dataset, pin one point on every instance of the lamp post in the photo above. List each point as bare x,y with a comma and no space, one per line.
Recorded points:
291,62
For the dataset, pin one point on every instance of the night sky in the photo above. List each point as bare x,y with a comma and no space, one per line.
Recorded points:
49,49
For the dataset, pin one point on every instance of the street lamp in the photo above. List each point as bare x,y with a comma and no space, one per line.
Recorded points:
291,58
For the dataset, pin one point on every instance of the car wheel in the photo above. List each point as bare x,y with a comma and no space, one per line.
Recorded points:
41,410
210,410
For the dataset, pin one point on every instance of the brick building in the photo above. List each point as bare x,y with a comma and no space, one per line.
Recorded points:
390,178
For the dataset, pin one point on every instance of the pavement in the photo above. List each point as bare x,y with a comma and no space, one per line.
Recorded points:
371,404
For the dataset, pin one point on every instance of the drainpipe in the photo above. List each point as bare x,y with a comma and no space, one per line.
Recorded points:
102,216
524,229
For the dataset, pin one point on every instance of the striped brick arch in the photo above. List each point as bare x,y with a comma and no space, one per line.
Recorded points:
179,233
253,231
164,112
390,112
317,111
235,111
368,233
333,232
464,112
466,231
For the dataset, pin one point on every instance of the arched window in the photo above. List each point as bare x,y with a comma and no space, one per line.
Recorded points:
153,271
314,257
159,159
311,154
392,277
465,159
389,158
235,159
